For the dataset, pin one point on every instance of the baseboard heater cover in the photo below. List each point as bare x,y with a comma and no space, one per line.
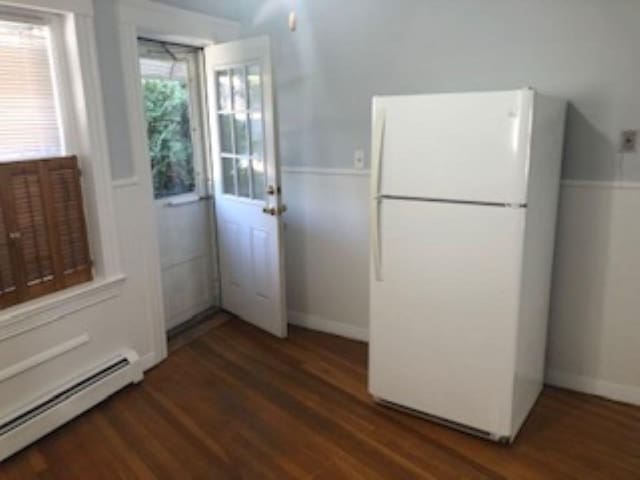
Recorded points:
45,415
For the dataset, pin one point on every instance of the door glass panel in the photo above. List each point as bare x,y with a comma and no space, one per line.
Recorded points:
224,90
259,182
228,176
256,134
239,89
165,86
241,131
255,88
244,182
226,138
242,134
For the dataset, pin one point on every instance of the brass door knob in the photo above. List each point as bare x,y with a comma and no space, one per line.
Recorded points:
273,211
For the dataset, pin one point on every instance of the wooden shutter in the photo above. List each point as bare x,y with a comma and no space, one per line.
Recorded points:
44,244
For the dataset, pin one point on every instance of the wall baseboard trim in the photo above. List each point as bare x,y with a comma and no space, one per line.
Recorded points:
593,386
316,322
610,184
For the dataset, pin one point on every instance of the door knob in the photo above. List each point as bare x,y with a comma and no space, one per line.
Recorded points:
273,211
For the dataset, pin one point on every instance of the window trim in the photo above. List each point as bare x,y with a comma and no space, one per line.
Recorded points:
73,33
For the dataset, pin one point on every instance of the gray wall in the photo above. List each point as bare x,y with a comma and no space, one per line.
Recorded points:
346,51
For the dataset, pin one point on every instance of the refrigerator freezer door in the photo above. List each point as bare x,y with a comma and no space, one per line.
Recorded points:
444,314
469,147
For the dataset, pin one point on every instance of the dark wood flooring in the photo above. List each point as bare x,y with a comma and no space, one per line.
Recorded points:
237,403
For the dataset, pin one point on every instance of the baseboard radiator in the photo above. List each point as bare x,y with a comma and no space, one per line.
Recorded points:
44,415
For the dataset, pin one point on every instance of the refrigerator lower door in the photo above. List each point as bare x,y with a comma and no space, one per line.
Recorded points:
444,311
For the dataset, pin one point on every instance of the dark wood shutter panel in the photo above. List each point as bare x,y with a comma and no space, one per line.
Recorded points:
68,215
43,244
8,291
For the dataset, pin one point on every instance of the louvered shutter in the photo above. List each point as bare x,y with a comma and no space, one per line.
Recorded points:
43,244
8,290
68,219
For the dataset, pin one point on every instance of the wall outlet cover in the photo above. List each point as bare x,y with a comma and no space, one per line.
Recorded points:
358,159
629,141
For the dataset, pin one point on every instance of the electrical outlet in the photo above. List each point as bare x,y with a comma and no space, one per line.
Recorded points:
629,141
358,159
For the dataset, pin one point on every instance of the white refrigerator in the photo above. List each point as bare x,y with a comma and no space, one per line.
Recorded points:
464,199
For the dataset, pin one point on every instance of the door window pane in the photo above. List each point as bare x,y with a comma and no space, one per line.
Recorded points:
239,89
259,182
228,176
166,105
244,182
256,134
255,87
242,134
242,131
226,139
224,90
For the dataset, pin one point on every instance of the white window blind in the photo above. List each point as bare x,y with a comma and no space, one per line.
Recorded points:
30,124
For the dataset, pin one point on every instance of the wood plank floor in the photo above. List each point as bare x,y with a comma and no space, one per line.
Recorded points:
237,403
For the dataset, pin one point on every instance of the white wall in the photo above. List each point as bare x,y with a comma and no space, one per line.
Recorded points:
594,339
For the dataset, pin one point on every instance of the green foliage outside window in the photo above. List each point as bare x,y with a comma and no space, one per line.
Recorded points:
166,105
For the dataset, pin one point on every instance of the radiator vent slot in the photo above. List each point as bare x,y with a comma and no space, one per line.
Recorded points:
118,364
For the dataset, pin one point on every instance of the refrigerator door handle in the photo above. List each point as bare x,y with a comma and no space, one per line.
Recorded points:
377,157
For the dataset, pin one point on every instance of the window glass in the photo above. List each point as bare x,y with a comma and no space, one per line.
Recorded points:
241,131
30,125
166,104
255,88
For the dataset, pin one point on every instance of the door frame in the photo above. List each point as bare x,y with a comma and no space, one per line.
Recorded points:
143,18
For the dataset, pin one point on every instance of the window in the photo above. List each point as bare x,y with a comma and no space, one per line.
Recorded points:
43,238
30,125
239,92
169,99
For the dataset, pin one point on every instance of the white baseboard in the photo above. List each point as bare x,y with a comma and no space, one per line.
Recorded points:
593,386
316,322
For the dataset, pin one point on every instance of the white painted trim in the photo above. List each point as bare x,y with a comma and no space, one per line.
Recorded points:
601,184
352,172
164,22
43,357
79,7
316,322
593,386
125,182
29,316
142,168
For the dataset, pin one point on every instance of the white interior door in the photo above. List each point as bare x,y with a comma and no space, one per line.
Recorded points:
172,90
247,182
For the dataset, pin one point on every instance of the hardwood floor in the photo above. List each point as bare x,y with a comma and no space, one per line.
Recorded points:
237,403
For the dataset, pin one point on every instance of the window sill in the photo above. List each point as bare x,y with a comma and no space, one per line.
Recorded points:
181,200
36,313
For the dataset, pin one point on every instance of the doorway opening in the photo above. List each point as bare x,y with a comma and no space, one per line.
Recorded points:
173,94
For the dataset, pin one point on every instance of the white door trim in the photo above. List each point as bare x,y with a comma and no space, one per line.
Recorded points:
144,18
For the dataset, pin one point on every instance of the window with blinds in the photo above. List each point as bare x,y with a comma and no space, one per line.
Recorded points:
43,238
30,125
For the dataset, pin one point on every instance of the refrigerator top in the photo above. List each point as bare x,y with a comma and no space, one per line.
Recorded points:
469,147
